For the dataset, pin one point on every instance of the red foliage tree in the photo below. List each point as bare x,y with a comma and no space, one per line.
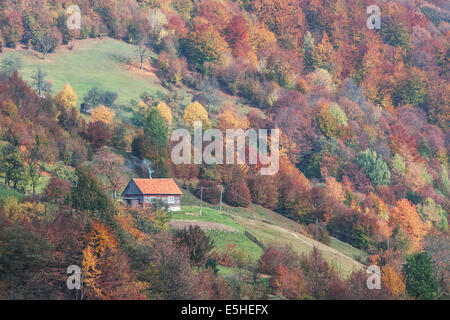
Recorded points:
97,134
289,283
264,191
237,192
274,255
56,190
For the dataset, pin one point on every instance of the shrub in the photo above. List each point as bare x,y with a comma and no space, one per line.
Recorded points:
196,242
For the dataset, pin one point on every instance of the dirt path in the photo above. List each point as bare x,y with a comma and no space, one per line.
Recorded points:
313,243
309,242
181,224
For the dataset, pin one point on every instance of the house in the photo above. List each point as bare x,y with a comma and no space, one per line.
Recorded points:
143,192
85,108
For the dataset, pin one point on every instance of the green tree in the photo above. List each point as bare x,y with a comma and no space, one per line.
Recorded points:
420,280
413,90
394,33
361,236
308,49
398,165
13,168
375,167
337,113
9,65
444,180
89,194
433,212
34,175
119,137
157,131
98,96
23,258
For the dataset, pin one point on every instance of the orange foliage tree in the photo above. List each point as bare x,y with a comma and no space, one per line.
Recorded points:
405,217
393,281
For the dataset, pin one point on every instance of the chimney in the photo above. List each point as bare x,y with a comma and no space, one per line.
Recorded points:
148,164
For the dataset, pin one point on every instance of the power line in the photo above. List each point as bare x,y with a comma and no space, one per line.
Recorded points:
201,199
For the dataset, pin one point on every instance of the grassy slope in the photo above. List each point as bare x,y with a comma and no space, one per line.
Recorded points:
104,63
108,63
6,191
268,227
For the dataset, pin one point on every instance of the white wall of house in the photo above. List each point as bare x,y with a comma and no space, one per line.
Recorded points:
173,202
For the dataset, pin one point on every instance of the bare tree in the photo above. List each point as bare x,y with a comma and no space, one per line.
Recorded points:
45,42
170,275
141,36
40,83
142,43
110,166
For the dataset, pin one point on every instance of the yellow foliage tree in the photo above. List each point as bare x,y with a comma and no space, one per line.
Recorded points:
103,114
288,147
67,98
393,281
324,56
380,206
334,189
229,119
165,112
414,177
261,38
90,273
196,112
100,239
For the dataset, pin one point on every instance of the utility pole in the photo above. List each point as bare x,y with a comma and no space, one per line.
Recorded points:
80,290
220,204
317,221
201,199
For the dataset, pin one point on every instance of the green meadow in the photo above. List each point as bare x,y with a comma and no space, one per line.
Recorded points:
106,63
268,227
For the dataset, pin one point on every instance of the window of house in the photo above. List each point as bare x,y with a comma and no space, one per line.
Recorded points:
170,199
150,199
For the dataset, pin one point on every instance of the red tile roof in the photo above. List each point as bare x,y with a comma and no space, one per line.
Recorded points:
157,186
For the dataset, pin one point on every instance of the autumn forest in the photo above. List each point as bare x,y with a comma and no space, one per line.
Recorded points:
363,115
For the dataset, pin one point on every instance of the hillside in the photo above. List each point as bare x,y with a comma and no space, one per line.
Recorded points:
352,114
109,64
106,63
269,228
